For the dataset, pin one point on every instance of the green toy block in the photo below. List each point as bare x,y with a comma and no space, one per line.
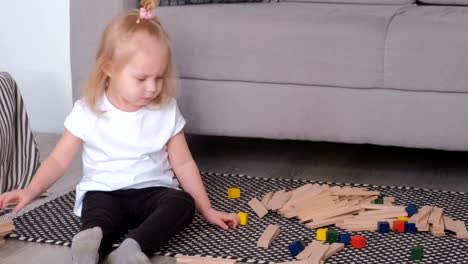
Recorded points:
417,253
379,200
332,236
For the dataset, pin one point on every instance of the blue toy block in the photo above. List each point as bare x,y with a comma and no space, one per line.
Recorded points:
411,209
410,227
383,227
344,238
296,247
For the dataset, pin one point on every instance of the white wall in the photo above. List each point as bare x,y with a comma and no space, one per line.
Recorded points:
88,20
35,50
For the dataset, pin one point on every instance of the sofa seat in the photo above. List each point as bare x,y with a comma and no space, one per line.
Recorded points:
427,49
291,43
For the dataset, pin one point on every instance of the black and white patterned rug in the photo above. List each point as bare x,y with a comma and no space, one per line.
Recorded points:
55,223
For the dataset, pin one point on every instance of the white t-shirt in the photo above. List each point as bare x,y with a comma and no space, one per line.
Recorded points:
124,150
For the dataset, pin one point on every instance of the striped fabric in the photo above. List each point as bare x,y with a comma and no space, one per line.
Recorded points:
19,157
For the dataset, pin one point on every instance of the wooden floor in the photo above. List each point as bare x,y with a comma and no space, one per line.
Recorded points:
284,159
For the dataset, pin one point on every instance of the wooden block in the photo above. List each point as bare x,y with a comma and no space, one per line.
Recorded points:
318,252
310,197
423,224
462,233
7,225
234,192
305,215
436,215
381,215
329,221
313,252
357,228
289,214
388,200
333,249
201,260
422,213
243,218
258,207
305,254
440,226
270,233
360,221
355,192
450,224
381,206
319,200
276,200
394,211
436,233
333,213
266,198
297,193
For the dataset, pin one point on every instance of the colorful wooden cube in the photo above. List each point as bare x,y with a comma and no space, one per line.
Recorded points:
403,218
332,236
321,234
344,238
358,241
410,227
296,247
243,218
417,253
383,227
234,193
379,200
399,226
411,209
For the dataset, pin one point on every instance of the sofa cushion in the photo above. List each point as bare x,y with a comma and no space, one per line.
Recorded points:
374,2
201,2
427,49
445,2
295,43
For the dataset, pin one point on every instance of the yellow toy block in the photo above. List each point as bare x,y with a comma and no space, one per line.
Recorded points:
233,193
322,234
403,218
243,217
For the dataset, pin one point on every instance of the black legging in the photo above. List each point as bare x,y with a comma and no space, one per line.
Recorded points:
150,215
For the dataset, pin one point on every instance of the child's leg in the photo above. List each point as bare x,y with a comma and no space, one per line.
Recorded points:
161,212
102,217
164,212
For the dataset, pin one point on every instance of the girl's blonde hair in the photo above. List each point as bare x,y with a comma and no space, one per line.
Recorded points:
120,29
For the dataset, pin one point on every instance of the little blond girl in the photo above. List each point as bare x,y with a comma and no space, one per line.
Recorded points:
133,147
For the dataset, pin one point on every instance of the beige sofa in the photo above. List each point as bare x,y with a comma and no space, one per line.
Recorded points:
393,73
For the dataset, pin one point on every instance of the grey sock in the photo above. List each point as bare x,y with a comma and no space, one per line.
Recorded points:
85,246
129,252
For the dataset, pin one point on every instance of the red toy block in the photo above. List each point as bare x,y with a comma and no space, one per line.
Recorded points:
399,226
358,242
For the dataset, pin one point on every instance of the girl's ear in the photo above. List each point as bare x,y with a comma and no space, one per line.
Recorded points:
107,69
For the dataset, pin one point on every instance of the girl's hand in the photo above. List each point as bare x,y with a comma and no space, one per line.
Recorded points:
221,219
21,197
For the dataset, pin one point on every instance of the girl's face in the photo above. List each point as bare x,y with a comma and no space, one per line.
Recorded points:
140,80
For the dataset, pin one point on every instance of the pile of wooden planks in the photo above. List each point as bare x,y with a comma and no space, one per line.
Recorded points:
349,208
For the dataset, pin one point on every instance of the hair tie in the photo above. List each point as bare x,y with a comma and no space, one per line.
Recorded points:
146,14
